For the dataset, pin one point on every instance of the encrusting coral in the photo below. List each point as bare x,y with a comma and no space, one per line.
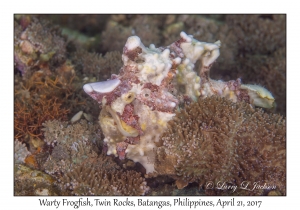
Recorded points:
71,144
28,181
39,44
21,152
215,140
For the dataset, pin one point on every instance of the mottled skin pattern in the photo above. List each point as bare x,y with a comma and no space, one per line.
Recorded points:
154,96
130,118
152,84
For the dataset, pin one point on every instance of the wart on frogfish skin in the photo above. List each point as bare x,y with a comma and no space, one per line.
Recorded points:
153,83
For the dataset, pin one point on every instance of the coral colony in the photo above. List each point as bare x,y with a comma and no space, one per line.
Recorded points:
152,85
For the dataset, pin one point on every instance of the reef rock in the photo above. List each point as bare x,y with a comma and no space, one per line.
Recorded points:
153,83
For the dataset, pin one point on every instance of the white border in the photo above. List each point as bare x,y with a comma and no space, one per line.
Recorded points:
8,201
